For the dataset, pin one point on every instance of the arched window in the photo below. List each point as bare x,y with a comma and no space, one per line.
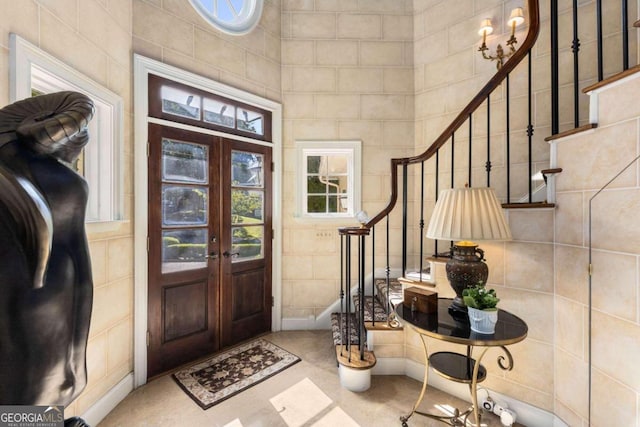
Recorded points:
234,17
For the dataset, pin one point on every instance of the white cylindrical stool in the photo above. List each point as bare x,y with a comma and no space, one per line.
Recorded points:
356,380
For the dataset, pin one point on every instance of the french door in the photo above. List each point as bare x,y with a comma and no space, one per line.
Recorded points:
209,245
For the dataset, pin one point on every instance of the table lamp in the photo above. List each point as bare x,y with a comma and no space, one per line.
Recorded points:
464,215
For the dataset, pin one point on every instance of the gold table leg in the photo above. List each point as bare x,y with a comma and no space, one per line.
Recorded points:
453,420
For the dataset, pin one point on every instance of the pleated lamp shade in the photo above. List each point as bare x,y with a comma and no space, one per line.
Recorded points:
468,214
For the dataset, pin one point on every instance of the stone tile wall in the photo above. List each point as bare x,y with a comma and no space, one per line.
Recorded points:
93,37
615,239
347,71
250,62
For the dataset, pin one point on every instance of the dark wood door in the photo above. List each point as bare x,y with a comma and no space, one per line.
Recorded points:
209,245
246,241
184,245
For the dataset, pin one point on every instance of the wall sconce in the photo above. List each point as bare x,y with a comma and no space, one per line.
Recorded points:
516,18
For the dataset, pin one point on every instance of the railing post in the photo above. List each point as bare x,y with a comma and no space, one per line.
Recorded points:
388,269
362,262
348,301
373,270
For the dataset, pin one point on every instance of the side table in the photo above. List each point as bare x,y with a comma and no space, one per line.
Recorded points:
453,326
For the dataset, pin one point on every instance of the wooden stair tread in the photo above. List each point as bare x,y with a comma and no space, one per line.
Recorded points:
536,205
381,326
342,354
612,79
571,132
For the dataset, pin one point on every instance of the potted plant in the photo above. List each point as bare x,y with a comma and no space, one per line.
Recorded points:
481,304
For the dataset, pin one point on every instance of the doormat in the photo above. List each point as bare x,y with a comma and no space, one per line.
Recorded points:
232,371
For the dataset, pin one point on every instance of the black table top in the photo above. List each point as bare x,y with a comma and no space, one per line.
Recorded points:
453,326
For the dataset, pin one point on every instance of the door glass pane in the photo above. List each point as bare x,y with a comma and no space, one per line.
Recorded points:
180,103
184,205
183,161
219,113
184,249
250,121
246,169
247,206
247,241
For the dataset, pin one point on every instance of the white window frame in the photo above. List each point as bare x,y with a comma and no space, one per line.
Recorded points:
244,21
32,68
353,150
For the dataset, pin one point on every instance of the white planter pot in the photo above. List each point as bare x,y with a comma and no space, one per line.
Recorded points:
483,321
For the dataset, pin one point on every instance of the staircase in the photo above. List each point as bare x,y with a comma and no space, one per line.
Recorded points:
354,346
378,312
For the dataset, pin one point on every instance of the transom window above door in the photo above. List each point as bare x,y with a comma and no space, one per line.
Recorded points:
181,103
235,17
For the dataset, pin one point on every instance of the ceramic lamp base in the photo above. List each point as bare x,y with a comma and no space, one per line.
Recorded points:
465,269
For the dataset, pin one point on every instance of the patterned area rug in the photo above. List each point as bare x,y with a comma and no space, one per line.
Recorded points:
230,372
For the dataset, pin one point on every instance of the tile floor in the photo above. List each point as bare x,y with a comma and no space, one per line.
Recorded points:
306,394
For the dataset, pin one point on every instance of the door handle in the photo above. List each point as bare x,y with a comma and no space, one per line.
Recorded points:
226,254
212,255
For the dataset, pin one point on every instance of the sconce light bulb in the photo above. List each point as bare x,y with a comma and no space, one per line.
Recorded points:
516,18
485,28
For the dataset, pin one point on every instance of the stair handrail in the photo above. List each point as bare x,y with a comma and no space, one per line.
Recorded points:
487,89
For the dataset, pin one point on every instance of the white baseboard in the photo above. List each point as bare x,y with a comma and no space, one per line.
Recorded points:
109,401
527,414
389,366
302,324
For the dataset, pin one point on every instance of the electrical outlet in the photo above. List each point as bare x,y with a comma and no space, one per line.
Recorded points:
488,404
507,416
323,234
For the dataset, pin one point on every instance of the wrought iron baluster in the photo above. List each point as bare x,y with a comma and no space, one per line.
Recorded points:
470,145
436,195
488,163
341,324
625,35
508,142
555,79
530,130
599,40
405,180
373,272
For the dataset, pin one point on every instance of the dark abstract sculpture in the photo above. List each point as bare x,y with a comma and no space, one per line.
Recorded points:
46,288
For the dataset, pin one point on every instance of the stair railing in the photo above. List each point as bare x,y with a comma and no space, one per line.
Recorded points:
400,167
448,135
583,76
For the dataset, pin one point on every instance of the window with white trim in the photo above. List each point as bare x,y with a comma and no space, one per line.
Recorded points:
34,72
235,17
328,178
